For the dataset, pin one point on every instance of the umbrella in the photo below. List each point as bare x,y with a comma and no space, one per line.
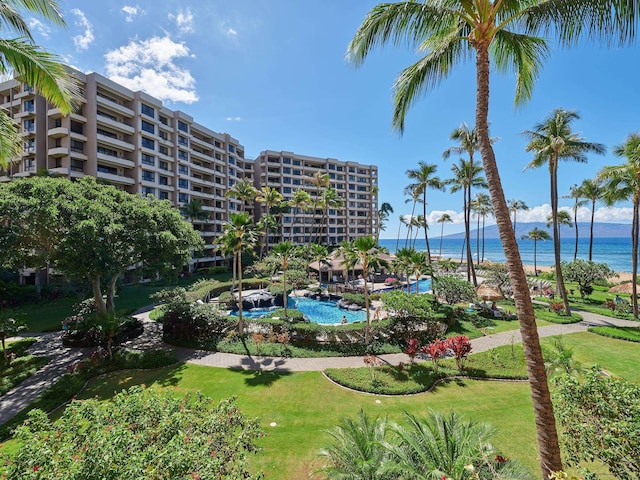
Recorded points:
488,292
622,288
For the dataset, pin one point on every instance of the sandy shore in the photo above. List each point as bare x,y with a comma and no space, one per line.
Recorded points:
622,276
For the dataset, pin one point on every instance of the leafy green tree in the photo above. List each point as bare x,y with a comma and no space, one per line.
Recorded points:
552,141
357,449
514,207
536,235
9,326
600,416
33,65
141,433
515,36
284,251
444,218
238,237
118,231
594,191
622,182
586,273
453,289
320,181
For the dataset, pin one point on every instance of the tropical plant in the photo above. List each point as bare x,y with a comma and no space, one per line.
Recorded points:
453,289
270,198
419,263
383,216
33,65
466,175
330,200
515,206
444,218
320,181
244,191
238,237
367,253
481,205
193,210
515,36
423,178
558,358
414,197
300,202
553,141
576,193
622,182
592,190
284,251
586,273
536,235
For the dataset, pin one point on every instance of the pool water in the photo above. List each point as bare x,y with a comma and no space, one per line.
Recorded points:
322,312
424,286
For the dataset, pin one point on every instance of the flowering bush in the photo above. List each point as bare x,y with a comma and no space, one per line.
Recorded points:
413,347
556,307
460,346
436,350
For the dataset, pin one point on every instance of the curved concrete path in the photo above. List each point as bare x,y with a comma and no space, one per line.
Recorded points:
61,357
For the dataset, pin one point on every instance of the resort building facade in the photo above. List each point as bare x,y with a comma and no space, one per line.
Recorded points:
131,140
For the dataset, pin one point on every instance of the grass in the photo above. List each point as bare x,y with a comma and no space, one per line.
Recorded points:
631,334
22,367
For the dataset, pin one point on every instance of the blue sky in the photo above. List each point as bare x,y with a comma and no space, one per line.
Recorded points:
273,75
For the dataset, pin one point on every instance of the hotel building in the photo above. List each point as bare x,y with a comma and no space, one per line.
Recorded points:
129,139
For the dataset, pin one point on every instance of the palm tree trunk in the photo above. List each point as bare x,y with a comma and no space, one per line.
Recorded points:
575,222
365,274
398,240
426,227
514,222
478,240
285,298
410,225
547,435
553,168
635,228
535,256
483,219
593,213
441,235
239,267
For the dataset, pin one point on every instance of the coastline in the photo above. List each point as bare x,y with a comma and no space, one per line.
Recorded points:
622,276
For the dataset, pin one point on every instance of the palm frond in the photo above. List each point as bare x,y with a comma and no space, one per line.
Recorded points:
10,140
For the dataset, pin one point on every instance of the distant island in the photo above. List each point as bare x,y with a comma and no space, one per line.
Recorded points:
600,230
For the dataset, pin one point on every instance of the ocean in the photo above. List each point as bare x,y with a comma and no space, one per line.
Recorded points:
615,252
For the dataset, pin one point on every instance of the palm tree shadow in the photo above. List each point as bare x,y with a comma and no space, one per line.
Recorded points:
262,372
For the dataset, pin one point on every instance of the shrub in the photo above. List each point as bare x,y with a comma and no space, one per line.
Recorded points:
436,350
460,347
453,289
293,315
355,298
557,308
413,347
228,300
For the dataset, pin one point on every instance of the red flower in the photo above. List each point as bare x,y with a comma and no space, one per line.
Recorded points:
36,468
500,459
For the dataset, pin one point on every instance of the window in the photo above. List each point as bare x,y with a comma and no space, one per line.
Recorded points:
182,155
183,198
332,166
182,183
183,127
184,141
29,106
108,151
164,165
297,172
163,195
77,165
148,143
163,150
232,160
77,146
148,127
148,111
183,169
232,171
163,135
286,189
148,176
148,191
106,133
232,149
286,160
164,120
296,162
107,115
286,180
162,180
286,170
109,170
217,144
148,159
29,125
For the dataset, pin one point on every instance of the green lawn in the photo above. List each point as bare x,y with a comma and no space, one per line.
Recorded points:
21,368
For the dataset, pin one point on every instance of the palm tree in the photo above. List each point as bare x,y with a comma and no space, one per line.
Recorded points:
402,221
330,200
515,205
284,251
318,253
579,201
515,35
418,222
194,210
33,66
481,205
383,215
321,181
424,180
238,237
622,182
444,218
415,195
349,257
270,198
536,235
594,191
466,175
368,255
357,450
243,191
300,202
552,141
419,263
558,358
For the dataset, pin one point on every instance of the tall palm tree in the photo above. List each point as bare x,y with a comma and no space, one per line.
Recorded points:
420,265
536,235
194,210
482,207
622,182
320,181
284,251
402,221
444,218
270,198
514,206
32,65
244,191
415,196
383,215
368,255
418,222
238,237
330,200
423,180
594,191
553,141
319,253
402,262
300,202
579,201
466,175
514,34
349,257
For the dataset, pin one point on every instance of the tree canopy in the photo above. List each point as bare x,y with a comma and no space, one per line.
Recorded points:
91,232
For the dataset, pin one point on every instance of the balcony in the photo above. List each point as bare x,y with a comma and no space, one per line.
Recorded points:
119,179
116,107
115,124
57,152
115,142
119,161
58,132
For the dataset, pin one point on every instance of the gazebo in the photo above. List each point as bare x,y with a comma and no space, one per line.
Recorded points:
334,270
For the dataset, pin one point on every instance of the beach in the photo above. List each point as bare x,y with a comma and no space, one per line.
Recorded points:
622,276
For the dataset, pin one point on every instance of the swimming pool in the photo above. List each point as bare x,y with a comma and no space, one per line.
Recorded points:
322,312
424,286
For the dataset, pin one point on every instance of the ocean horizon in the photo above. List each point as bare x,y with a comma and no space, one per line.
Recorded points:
615,252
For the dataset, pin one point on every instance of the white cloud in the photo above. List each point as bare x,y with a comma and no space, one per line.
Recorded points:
432,217
38,26
131,12
149,65
233,119
83,41
228,31
184,21
614,214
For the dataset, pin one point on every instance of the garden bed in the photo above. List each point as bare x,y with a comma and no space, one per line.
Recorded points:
630,334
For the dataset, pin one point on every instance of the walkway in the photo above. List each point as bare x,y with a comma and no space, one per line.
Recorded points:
61,357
